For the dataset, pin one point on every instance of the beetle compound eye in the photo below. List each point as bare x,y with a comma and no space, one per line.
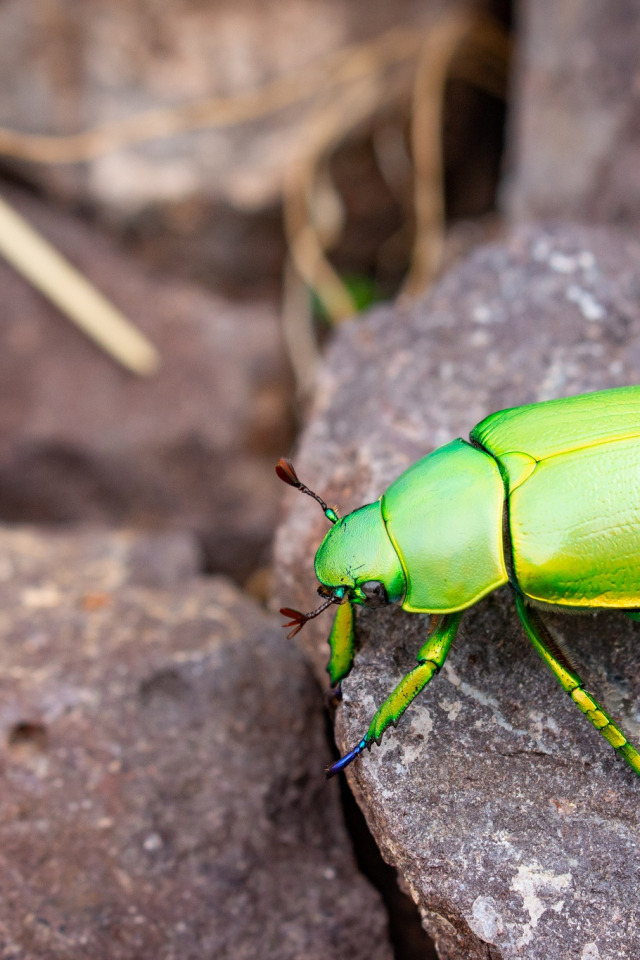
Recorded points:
375,593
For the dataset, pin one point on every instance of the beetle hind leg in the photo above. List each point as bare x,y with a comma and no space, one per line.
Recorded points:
574,686
430,658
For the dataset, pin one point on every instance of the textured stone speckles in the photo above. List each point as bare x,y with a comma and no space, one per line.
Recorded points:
161,751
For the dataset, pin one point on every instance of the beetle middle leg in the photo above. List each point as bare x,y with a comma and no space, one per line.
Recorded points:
430,657
574,686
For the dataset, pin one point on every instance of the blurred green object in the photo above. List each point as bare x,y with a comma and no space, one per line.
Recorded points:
364,292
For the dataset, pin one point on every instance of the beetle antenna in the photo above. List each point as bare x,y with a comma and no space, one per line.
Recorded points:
298,619
286,472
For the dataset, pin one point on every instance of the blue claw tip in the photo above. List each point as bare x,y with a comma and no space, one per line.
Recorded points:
343,762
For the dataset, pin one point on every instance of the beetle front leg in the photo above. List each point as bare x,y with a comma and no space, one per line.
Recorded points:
430,659
574,686
341,644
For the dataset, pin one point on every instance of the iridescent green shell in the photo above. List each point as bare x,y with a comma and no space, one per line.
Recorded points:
572,469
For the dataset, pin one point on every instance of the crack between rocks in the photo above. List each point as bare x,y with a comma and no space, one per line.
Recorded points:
409,939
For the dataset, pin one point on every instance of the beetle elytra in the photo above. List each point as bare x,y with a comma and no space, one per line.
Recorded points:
545,497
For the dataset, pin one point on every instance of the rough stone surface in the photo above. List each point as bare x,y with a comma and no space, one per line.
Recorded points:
576,134
161,748
191,448
513,823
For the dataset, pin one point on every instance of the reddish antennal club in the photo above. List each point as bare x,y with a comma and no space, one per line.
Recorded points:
287,473
298,619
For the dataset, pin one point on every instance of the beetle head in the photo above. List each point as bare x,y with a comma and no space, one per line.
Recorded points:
355,563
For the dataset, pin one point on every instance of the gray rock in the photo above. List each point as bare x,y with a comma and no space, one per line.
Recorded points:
162,749
513,823
575,134
190,448
93,561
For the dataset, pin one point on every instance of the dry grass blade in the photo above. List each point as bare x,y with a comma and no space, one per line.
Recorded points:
483,60
464,45
345,66
440,46
356,68
347,89
326,127
37,260
298,332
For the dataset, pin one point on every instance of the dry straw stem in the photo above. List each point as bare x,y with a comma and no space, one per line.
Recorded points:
440,46
350,87
299,333
54,276
326,127
459,43
345,66
466,46
308,193
51,274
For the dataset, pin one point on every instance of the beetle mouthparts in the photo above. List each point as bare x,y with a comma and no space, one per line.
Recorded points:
299,619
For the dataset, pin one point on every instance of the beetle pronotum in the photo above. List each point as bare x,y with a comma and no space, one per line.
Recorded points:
545,497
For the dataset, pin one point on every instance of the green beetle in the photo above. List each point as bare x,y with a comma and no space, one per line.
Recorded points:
545,497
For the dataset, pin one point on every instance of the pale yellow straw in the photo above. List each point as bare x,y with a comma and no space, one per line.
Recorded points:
37,260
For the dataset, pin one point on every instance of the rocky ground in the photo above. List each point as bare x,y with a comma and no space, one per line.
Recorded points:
162,745
513,823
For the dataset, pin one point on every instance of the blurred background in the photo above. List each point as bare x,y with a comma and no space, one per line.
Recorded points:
236,178
194,196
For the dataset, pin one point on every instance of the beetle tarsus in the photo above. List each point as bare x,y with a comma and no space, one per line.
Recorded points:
343,762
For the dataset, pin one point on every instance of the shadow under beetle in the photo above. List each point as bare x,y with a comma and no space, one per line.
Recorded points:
545,497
